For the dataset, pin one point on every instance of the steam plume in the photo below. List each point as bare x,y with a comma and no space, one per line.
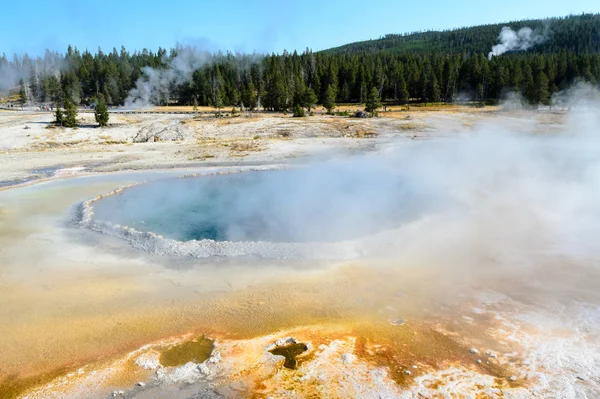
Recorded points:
510,40
24,67
511,190
155,84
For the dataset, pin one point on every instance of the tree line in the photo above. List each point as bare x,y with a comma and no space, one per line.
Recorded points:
279,82
282,82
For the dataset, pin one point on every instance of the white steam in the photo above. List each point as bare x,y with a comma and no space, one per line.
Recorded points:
512,190
155,84
510,40
28,69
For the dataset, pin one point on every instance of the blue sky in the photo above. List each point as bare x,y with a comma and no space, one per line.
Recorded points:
253,25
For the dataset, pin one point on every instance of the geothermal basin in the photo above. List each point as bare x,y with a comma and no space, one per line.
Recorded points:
292,213
450,268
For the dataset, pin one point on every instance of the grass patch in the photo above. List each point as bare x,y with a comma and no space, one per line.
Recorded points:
112,142
57,144
200,157
341,113
361,134
410,126
284,133
244,146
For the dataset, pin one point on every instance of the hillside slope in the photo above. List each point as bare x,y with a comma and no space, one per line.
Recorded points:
576,33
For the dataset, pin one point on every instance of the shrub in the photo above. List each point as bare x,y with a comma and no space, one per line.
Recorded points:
59,116
299,111
342,113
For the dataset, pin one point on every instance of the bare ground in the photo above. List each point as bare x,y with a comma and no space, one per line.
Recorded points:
67,303
32,147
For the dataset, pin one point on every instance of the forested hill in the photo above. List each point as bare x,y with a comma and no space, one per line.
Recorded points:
577,33
425,67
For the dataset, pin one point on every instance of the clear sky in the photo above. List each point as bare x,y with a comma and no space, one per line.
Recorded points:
252,25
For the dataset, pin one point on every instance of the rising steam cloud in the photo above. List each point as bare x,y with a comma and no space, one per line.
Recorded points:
509,190
510,40
28,68
155,84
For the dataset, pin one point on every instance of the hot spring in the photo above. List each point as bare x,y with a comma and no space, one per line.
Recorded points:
293,207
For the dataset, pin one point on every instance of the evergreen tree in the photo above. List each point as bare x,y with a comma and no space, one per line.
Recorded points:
424,66
217,89
541,90
101,113
249,97
309,99
298,111
345,93
373,101
298,92
34,85
55,93
22,92
363,93
70,116
479,92
106,95
218,101
434,90
528,85
402,91
59,116
516,77
329,99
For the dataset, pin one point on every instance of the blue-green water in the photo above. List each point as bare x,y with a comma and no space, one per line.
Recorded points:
300,205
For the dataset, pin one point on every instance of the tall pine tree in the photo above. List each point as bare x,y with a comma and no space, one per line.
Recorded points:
101,113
